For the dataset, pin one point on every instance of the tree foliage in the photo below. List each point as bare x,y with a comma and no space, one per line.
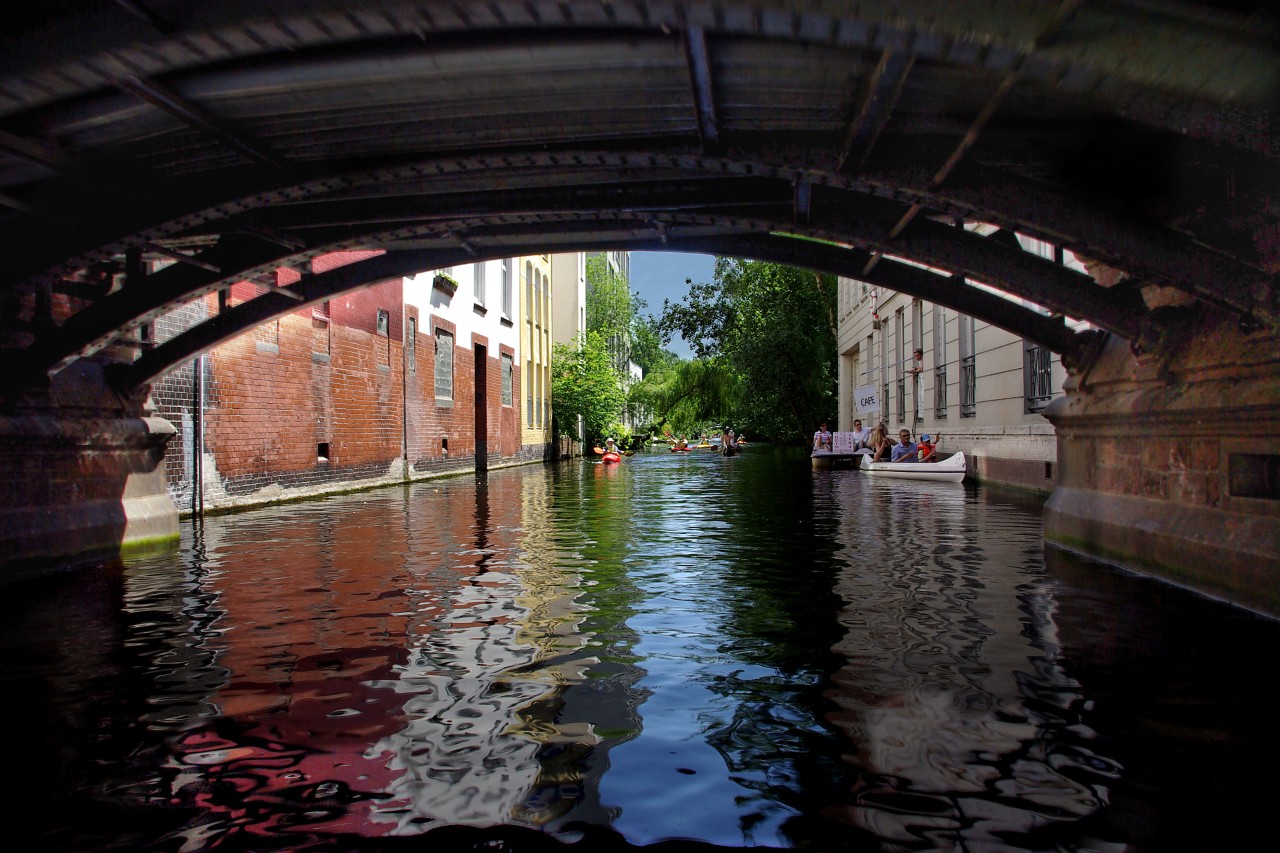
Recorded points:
610,309
689,397
584,383
646,343
773,329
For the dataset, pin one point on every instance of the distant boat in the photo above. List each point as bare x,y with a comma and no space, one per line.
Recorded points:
949,470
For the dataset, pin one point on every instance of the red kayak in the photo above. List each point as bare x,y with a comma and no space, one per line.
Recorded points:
681,449
611,457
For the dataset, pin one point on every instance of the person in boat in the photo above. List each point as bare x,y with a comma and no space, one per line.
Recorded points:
927,449
610,446
822,438
728,445
861,435
906,450
881,444
682,442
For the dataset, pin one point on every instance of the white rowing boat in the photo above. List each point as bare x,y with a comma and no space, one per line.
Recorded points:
949,470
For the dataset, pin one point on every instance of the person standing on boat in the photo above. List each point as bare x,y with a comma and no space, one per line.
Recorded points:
906,450
861,435
822,438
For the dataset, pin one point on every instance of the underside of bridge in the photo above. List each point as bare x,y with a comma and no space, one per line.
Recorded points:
237,138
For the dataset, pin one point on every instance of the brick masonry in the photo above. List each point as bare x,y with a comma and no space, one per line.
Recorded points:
328,399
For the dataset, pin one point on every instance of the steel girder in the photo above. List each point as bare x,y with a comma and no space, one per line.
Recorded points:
1049,331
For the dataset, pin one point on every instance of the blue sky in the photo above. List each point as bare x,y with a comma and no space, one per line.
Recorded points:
660,275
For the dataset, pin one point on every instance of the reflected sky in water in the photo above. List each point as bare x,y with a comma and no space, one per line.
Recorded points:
738,652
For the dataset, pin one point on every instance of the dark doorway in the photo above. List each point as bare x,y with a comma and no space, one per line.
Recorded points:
482,407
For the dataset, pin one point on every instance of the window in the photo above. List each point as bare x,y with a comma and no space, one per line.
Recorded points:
537,297
1037,372
900,344
917,345
528,290
384,322
968,369
508,370
444,364
479,289
411,345
507,264
528,391
884,375
939,362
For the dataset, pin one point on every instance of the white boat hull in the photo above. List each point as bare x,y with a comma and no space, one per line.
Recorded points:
949,470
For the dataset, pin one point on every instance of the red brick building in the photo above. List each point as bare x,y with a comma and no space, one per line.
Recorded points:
359,391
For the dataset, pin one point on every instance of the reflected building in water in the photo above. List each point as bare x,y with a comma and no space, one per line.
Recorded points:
494,647
966,728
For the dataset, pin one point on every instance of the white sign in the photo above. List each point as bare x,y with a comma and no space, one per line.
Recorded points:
866,400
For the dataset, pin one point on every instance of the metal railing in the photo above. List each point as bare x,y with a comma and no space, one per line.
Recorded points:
968,387
940,392
1039,378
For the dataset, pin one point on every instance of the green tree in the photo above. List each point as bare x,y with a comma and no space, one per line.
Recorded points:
646,344
584,383
688,397
610,309
774,328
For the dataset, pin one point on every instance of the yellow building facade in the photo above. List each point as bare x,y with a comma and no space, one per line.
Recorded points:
534,317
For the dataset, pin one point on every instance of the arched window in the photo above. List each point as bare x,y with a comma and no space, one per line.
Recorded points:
528,290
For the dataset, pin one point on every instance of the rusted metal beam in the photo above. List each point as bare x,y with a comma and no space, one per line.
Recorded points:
704,102
883,90
93,327
180,108
267,306
1049,331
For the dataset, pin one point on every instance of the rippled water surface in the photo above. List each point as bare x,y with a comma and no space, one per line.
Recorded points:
733,652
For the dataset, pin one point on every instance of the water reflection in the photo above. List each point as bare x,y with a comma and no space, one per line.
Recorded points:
966,724
742,652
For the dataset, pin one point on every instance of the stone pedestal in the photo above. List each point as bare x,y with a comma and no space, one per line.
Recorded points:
80,476
1167,459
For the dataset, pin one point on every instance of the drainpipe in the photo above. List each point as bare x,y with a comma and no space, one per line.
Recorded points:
197,438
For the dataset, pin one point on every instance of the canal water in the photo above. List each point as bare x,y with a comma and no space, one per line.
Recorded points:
682,651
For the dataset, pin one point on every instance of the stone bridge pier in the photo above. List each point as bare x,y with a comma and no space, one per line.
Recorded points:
81,474
1167,456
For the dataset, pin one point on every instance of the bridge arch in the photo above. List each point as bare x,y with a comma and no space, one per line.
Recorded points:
237,138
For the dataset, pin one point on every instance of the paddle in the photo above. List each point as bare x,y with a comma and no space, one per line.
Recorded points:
599,451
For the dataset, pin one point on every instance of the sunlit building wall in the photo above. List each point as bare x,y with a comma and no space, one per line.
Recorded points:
535,322
981,388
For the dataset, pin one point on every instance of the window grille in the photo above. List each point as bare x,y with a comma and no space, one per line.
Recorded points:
902,400
384,322
508,369
968,387
444,364
479,287
411,345
940,391
1038,374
